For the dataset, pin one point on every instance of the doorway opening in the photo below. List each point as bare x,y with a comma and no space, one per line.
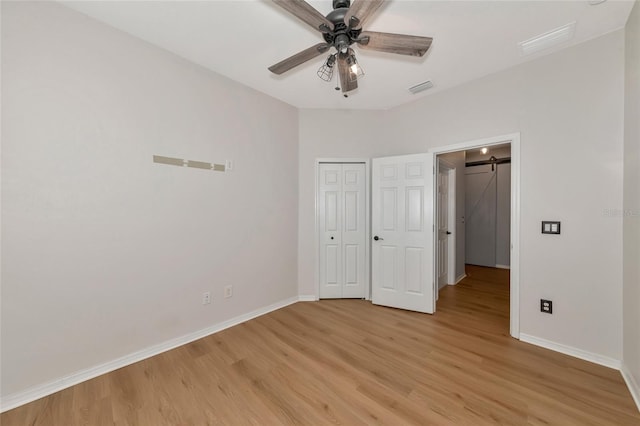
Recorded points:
484,229
487,191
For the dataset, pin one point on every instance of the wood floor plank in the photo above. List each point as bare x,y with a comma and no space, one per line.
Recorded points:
348,362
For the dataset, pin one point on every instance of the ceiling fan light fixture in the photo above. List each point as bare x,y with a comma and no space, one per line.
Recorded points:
325,72
355,70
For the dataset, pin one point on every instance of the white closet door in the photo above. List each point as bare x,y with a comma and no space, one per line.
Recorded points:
342,217
353,230
330,206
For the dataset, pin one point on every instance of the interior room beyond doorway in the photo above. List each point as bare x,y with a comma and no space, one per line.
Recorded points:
473,205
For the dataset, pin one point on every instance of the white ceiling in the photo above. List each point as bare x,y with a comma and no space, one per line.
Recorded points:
240,39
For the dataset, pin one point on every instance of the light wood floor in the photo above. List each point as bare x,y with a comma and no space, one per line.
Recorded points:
348,362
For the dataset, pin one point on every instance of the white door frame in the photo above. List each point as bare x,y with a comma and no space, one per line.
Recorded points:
514,284
367,226
451,210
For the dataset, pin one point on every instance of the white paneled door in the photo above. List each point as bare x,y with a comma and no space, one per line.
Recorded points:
342,219
443,227
402,228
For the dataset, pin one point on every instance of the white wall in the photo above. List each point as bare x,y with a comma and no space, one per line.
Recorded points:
104,252
571,170
631,221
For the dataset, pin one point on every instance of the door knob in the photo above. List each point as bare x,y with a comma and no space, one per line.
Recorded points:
377,238
332,238
448,233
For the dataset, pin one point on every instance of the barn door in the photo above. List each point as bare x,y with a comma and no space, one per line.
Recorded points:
480,215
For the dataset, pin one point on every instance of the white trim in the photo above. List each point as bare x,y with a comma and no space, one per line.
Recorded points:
477,143
316,239
514,288
514,285
460,278
444,165
308,298
632,384
39,391
570,350
503,266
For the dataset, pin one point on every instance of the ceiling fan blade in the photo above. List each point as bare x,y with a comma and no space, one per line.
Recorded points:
346,82
401,44
361,10
299,58
305,12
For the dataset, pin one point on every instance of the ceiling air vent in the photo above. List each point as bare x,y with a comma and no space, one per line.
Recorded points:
547,40
421,87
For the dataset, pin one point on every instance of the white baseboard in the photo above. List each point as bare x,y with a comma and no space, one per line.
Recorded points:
570,350
460,278
503,266
632,384
36,392
308,298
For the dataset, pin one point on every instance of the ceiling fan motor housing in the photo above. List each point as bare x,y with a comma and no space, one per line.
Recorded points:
337,4
342,35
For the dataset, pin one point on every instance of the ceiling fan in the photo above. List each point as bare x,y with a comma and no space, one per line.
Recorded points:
340,29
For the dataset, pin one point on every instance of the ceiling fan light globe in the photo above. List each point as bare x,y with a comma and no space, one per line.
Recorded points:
355,70
355,77
325,73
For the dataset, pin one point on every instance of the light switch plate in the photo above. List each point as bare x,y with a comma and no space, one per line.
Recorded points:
550,227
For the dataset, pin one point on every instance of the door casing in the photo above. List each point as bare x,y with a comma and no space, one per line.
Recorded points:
514,284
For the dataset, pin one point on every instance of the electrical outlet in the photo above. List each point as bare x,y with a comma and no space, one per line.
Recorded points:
228,291
546,306
228,165
206,298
